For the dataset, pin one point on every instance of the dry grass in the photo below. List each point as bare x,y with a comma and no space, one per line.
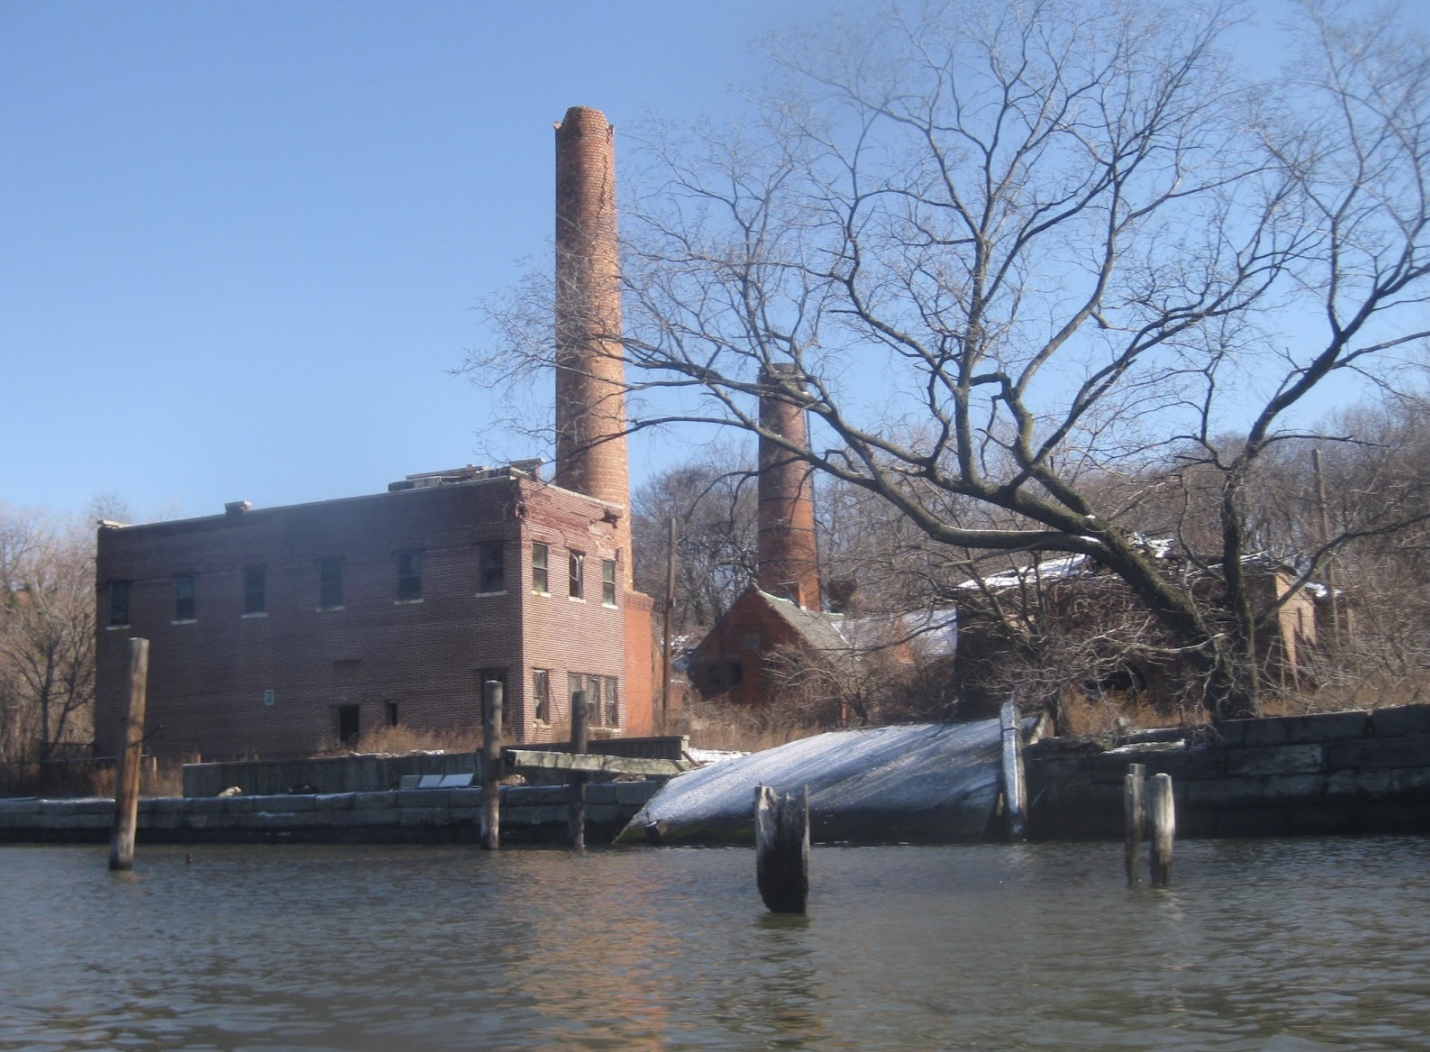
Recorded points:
156,778
737,728
400,740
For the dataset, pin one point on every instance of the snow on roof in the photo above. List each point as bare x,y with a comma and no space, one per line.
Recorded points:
935,629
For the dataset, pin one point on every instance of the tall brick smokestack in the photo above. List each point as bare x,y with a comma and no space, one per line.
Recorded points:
590,371
788,555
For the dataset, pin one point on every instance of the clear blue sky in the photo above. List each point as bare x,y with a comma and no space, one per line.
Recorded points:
240,241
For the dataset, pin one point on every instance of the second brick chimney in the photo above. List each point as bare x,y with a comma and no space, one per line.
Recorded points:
788,553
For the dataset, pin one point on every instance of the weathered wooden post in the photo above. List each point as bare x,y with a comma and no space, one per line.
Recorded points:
126,782
1013,792
491,764
1162,813
1134,816
782,848
576,799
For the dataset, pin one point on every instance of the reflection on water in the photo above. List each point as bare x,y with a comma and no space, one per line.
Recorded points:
1283,945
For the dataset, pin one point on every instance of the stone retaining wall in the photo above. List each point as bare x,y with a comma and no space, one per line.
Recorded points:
1343,772
529,814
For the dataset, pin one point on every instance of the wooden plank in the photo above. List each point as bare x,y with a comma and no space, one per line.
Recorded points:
576,800
1161,813
491,764
1013,791
126,788
589,763
1134,816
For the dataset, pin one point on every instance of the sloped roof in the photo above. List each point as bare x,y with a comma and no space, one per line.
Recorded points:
815,627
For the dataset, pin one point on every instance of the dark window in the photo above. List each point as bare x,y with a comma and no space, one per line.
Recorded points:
255,590
185,601
541,694
577,563
330,582
390,711
348,724
119,603
409,576
613,703
540,582
724,675
575,684
608,582
491,560
593,701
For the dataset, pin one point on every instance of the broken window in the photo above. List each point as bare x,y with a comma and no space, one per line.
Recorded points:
608,582
577,563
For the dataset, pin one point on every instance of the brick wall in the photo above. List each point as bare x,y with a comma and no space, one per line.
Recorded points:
211,676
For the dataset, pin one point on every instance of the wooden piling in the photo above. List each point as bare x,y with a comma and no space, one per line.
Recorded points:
491,764
1134,816
576,799
782,848
1013,793
1162,814
126,782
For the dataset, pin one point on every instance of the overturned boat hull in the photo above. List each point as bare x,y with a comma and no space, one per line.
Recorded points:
925,783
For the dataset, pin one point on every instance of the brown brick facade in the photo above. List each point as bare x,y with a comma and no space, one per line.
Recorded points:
280,682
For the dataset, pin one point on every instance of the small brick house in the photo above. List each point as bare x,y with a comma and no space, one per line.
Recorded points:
734,659
288,631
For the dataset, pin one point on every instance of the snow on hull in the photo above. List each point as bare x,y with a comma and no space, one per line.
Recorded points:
933,783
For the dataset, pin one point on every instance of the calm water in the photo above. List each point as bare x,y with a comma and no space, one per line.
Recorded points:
1276,945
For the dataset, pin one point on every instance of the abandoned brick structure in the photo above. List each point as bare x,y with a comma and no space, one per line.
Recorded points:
286,631
283,631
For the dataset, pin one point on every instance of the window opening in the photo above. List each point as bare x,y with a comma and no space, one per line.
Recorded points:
119,603
492,567
185,598
348,724
255,590
608,582
577,562
330,582
409,576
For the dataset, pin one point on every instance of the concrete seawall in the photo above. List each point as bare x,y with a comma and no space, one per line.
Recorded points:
530,814
1340,772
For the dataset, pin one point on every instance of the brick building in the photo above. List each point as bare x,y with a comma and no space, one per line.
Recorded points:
284,631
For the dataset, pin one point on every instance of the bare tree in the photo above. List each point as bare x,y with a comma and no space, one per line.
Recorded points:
47,636
713,505
1018,249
